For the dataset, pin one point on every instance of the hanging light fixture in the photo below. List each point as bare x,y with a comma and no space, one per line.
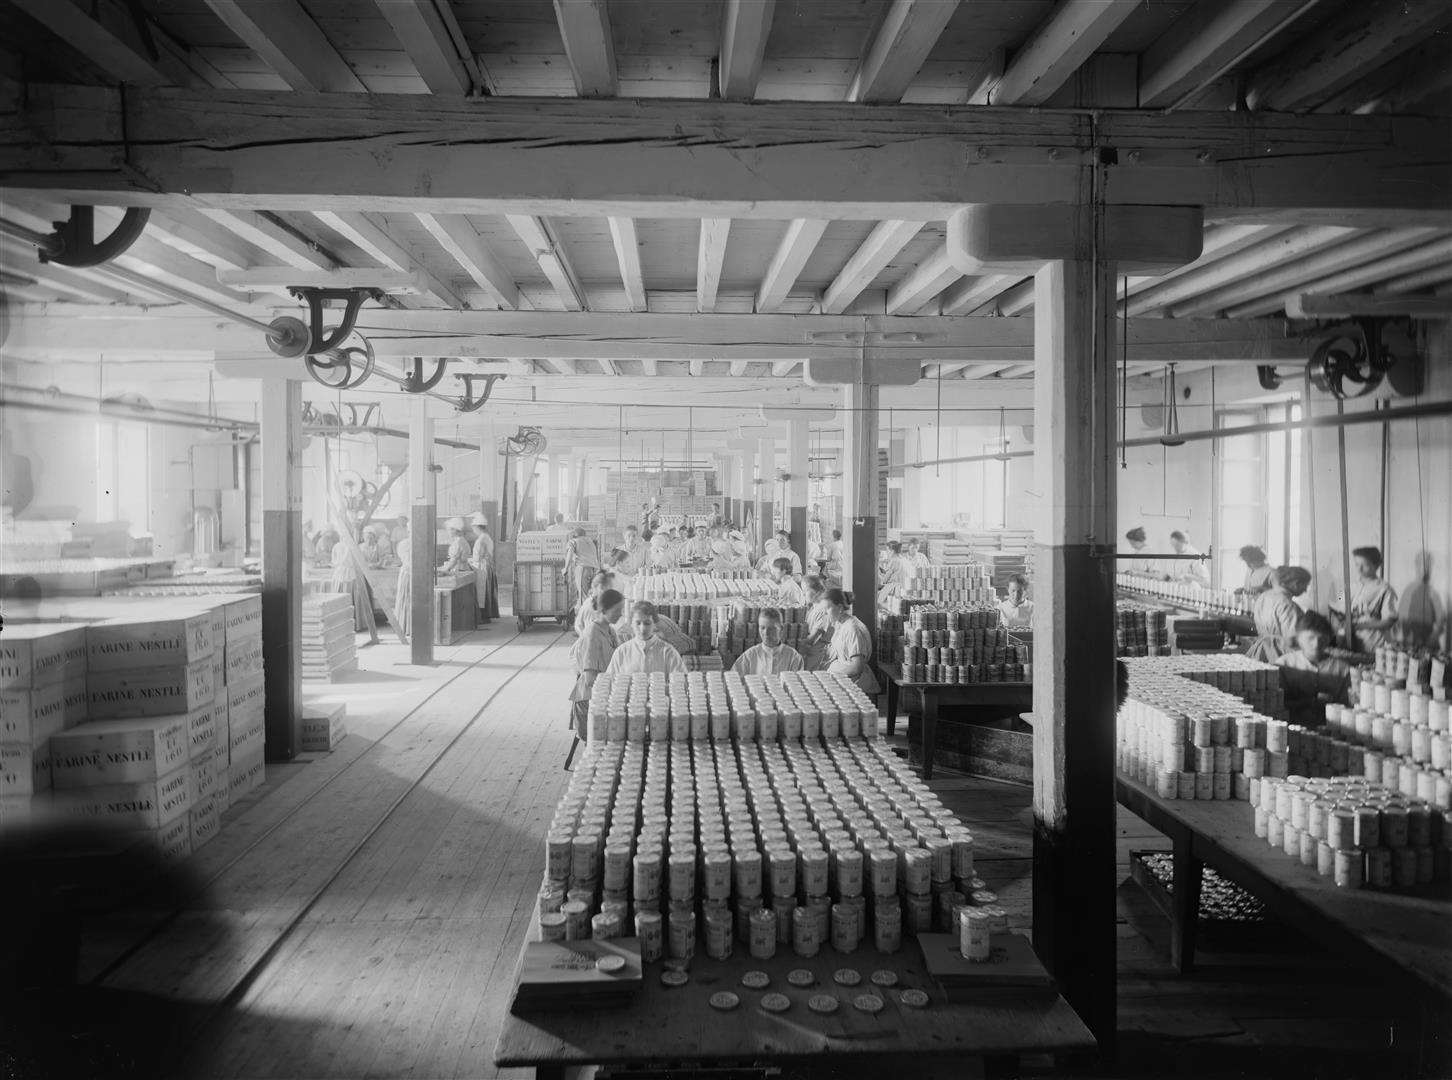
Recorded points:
1171,437
1003,439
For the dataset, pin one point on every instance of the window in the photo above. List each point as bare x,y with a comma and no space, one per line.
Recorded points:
1258,491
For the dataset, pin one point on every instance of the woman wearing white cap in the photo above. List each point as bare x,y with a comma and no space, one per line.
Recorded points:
486,589
458,557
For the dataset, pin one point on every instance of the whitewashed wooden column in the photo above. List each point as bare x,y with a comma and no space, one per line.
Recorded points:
423,528
795,518
490,477
859,498
282,555
1074,659
551,490
766,470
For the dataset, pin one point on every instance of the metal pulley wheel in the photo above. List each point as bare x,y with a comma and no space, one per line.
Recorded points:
290,338
342,369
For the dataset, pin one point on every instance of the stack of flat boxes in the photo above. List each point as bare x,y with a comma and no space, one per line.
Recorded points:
42,692
150,691
236,752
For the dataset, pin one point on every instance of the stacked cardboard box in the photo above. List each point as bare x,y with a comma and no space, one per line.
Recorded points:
328,647
42,692
323,726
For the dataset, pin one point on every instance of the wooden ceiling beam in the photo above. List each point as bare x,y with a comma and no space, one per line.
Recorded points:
423,29
1014,300
796,247
370,233
589,45
561,367
1359,39
282,242
783,368
550,254
536,335
241,150
1206,42
105,34
1362,305
191,232
710,258
289,42
1419,258
922,283
738,368
1420,279
1292,244
983,371
627,254
1221,241
745,27
1275,280
80,285
892,60
880,248
458,237
971,294
648,365
698,368
1070,35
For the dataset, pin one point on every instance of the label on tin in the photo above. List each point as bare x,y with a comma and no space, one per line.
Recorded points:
801,977
822,1003
756,980
915,999
724,1000
777,1003
868,1003
884,978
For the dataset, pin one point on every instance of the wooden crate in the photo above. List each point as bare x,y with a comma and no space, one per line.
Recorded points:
121,751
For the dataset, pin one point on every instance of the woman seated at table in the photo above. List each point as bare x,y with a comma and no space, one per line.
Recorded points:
589,605
1016,610
1310,676
771,657
819,625
646,651
1277,614
850,651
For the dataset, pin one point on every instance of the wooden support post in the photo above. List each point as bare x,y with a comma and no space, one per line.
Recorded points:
551,490
490,477
282,557
1074,664
423,528
859,499
798,438
766,471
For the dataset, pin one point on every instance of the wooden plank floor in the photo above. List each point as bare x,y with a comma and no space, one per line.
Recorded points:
367,907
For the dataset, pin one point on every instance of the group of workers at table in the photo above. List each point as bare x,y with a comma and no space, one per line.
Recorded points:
618,637
1299,641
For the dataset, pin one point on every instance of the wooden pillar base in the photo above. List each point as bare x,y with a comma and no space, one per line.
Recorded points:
282,636
1074,832
423,524
797,525
862,574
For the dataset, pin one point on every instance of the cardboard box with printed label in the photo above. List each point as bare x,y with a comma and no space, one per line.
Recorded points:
29,714
170,640
77,701
204,727
221,763
244,618
323,727
247,695
148,805
204,821
25,768
243,660
171,841
119,751
204,778
150,691
244,776
37,654
246,732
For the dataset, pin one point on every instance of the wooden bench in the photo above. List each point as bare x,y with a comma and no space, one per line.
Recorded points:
677,1026
1017,695
1405,934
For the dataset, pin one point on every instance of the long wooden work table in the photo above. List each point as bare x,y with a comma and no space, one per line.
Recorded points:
663,1025
1019,695
1405,934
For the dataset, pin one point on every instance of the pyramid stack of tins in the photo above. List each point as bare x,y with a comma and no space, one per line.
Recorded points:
329,647
42,692
1392,737
1255,683
1140,630
713,846
967,583
674,585
961,644
1423,673
1188,740
1354,831
737,628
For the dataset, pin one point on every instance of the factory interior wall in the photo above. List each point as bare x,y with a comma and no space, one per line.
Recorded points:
62,453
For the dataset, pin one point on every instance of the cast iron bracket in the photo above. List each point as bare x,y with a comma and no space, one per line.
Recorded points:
74,242
413,380
468,403
321,339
